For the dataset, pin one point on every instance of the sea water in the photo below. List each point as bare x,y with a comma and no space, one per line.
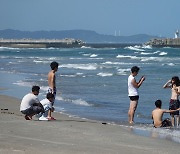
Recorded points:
92,83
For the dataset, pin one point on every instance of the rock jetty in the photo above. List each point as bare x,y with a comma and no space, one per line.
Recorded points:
41,43
166,42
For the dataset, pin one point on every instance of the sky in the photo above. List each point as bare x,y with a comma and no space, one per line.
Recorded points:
125,17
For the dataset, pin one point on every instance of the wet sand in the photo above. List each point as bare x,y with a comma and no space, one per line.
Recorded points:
70,135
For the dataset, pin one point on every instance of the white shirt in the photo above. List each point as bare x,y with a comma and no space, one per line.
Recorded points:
46,103
131,89
27,101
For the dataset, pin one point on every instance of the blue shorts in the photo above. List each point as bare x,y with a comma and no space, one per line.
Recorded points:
32,110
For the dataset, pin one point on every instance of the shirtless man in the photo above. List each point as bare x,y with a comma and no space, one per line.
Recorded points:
174,103
52,78
157,115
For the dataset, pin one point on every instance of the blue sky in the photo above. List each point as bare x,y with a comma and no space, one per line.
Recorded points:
127,17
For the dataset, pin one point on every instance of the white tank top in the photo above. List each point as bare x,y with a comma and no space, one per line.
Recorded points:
131,89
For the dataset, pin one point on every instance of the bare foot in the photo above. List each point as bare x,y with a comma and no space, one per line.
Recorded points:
131,122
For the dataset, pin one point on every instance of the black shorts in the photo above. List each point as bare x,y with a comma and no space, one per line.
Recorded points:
173,105
166,123
134,98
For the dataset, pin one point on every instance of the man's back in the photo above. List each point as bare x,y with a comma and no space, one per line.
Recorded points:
51,79
157,115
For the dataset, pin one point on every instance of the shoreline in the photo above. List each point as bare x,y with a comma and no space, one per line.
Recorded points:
70,135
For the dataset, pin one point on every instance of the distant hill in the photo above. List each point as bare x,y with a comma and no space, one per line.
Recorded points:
85,35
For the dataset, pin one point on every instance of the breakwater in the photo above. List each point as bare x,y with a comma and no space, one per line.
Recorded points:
64,43
166,42
41,43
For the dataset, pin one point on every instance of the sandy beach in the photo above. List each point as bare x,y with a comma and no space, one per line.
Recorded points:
70,135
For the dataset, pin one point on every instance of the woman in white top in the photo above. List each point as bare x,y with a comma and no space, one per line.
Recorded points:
133,92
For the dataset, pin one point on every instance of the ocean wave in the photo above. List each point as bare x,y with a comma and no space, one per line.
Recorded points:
104,74
147,47
86,54
169,64
8,48
113,63
72,75
93,55
85,47
146,53
80,66
123,56
44,88
123,71
41,61
136,48
149,59
81,102
162,53
23,83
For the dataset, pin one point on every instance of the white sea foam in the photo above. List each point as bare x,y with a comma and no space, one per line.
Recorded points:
85,47
147,47
41,61
8,48
150,59
169,64
113,63
24,84
93,55
80,66
136,48
59,98
86,54
123,56
81,102
44,88
123,71
162,53
157,51
70,76
13,62
146,53
104,74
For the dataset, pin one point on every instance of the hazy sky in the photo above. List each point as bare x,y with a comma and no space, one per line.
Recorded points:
127,17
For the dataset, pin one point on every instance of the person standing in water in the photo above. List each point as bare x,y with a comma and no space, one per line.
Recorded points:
52,78
174,103
133,86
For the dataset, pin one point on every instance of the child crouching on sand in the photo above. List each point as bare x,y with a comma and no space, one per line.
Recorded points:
48,108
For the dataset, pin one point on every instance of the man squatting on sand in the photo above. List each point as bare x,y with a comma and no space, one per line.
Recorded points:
133,92
30,104
174,103
157,115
